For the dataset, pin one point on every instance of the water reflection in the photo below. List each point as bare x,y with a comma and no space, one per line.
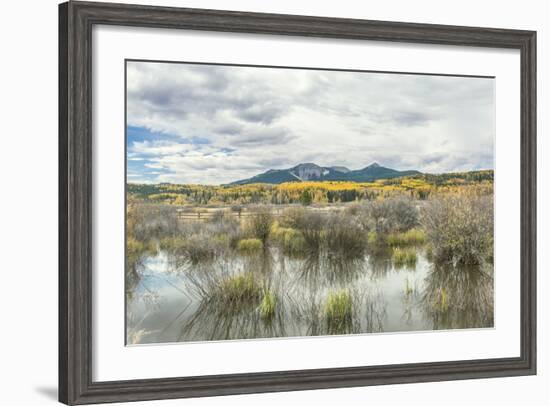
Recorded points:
459,297
170,300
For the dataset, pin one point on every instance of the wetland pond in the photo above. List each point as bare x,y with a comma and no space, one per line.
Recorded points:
171,300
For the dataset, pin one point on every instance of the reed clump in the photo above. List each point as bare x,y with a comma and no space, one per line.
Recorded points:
239,289
250,246
404,257
268,306
413,236
338,312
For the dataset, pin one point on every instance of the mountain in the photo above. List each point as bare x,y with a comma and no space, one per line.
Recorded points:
342,169
314,172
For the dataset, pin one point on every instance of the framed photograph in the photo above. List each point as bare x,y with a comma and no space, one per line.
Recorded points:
258,202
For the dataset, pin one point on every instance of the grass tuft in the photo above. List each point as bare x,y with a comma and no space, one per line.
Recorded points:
290,240
413,236
372,237
250,245
404,257
268,306
241,288
339,312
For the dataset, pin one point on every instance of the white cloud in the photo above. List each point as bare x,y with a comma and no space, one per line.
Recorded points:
248,120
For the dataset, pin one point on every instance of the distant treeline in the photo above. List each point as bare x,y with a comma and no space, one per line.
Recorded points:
417,186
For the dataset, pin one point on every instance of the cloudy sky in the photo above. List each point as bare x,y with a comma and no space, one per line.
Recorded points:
212,124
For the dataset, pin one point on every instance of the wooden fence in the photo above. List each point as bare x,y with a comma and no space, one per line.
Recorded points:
207,214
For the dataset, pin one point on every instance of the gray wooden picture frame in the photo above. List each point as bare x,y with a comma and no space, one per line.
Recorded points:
76,20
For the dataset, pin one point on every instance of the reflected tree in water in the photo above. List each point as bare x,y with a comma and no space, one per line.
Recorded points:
459,297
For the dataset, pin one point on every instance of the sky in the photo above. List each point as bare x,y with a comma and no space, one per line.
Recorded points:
215,124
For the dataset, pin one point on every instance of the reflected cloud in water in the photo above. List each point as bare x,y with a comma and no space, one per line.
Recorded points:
170,300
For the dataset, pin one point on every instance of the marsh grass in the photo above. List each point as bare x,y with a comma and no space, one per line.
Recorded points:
250,246
411,289
441,302
242,288
404,257
200,248
290,241
196,248
315,270
268,306
372,237
173,244
413,236
338,312
429,252
136,251
147,222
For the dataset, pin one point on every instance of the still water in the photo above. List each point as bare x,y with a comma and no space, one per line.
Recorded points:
169,301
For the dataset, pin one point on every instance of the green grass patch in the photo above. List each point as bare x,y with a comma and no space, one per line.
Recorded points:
172,244
441,302
268,306
250,245
290,240
241,288
372,237
413,236
404,257
338,312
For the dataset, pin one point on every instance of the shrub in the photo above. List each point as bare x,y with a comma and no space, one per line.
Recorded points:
237,209
260,224
404,257
250,245
338,312
268,306
354,209
199,248
392,215
460,229
290,240
459,297
224,230
309,223
176,245
218,216
196,248
277,233
306,197
145,222
345,237
294,242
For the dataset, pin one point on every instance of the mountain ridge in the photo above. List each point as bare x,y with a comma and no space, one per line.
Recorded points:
310,171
